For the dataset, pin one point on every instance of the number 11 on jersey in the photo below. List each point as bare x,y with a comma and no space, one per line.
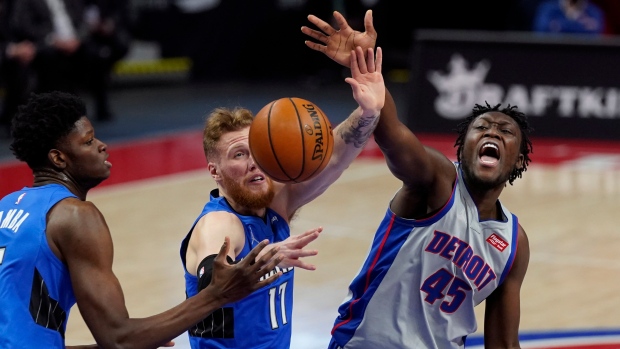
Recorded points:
275,294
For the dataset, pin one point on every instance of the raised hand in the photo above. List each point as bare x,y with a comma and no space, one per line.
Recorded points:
292,249
366,79
338,44
236,281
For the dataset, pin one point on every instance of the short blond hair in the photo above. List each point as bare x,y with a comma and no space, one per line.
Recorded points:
221,121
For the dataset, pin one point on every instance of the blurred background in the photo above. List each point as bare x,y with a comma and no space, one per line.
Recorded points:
150,70
555,59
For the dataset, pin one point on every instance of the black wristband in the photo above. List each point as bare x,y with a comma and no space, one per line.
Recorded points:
205,270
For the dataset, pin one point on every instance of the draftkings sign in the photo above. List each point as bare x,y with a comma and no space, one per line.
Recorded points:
568,86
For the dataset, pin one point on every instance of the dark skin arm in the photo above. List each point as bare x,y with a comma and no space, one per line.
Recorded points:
428,178
503,306
79,236
427,174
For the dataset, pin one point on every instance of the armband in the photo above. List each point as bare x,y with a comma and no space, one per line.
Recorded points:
205,270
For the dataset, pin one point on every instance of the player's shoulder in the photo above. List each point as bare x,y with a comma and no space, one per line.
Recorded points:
211,229
73,221
521,232
72,211
221,217
219,221
75,205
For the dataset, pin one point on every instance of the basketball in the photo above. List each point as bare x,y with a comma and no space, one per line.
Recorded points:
291,140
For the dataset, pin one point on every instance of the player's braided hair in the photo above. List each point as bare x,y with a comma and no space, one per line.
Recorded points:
41,123
519,117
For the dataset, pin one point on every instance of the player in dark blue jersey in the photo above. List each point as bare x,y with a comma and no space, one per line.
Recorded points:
249,207
56,249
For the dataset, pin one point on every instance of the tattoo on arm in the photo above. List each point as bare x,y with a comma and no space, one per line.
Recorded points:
358,134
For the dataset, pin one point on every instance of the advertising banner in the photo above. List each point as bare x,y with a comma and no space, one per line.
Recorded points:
568,86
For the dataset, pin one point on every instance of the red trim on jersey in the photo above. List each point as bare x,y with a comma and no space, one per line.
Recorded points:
370,269
374,262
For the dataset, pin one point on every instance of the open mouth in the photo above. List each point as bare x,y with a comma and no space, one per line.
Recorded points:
257,178
489,153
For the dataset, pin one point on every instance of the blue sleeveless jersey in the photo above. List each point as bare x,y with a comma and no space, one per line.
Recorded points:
422,278
261,320
35,287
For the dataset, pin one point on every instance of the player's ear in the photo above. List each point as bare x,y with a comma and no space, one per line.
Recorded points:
213,170
57,159
520,161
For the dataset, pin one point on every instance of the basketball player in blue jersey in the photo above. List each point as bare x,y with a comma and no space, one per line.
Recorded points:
249,207
446,242
56,249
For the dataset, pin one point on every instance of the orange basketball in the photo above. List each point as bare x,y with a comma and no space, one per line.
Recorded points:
291,140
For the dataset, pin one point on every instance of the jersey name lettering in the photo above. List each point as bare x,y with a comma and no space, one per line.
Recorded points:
13,219
275,271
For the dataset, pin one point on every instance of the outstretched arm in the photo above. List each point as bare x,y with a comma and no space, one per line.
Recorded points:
338,43
351,135
293,248
81,238
424,171
404,153
391,135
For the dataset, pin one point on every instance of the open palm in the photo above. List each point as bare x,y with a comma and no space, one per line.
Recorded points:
366,79
338,44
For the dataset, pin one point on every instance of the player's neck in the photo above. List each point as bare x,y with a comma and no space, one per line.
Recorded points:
486,201
46,176
244,210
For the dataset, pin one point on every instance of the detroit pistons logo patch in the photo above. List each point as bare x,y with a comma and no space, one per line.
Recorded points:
497,242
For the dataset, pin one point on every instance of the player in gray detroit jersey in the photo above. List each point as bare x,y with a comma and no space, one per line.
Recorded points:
446,242
455,260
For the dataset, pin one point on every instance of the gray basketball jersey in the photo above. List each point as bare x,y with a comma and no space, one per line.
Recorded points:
422,278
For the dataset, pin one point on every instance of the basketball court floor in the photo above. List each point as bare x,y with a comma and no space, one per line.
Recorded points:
567,201
567,204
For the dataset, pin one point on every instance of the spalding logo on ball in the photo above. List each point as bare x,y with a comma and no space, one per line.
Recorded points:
291,140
